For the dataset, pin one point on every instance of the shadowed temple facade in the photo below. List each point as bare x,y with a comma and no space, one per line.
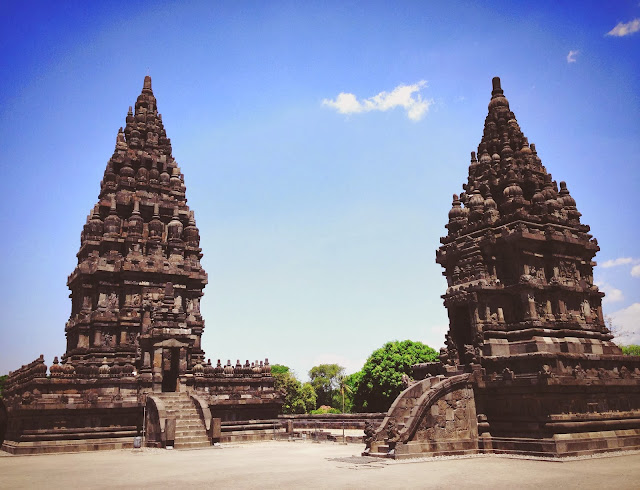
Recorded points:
529,365
134,334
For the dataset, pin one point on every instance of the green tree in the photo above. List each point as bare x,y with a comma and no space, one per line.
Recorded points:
343,396
3,380
308,397
279,369
324,379
298,397
630,350
380,381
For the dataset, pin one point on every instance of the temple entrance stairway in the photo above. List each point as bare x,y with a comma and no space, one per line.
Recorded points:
402,411
435,415
190,431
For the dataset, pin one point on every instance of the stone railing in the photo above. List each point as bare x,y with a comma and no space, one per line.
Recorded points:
254,369
35,369
105,370
57,370
333,420
553,367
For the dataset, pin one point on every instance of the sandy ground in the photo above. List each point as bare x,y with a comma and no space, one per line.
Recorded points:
306,465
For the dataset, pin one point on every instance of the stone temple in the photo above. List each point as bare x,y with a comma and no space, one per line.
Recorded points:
134,334
529,365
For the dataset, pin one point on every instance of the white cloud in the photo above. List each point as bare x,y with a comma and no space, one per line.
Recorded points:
625,29
626,324
615,262
635,271
613,295
571,57
406,96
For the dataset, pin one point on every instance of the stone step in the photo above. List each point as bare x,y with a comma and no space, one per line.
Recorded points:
190,427
190,432
181,414
383,448
181,419
229,428
74,446
190,439
182,424
192,445
78,435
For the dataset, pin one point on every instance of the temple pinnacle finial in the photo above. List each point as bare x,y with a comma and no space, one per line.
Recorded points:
147,83
497,89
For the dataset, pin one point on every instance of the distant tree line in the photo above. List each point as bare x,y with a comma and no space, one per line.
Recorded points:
631,350
372,389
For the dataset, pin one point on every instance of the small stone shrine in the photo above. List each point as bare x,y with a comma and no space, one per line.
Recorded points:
529,366
134,334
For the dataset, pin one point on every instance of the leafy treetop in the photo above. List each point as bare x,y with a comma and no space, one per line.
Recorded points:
380,381
297,397
325,381
279,369
630,350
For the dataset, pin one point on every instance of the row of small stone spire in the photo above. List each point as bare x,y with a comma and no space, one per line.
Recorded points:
248,369
113,225
545,201
503,146
147,175
144,128
507,161
488,167
254,368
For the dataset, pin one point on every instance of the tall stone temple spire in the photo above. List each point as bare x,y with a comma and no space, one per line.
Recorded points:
139,280
518,261
529,366
134,363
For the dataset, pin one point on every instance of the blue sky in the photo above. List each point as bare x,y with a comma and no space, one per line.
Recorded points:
319,227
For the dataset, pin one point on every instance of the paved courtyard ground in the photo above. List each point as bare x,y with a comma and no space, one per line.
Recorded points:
301,464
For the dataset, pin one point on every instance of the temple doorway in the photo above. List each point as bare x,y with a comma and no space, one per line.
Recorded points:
170,369
461,330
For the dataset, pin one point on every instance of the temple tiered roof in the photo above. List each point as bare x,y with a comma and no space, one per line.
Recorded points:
507,180
518,261
139,238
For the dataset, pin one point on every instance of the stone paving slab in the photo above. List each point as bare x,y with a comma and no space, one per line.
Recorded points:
284,464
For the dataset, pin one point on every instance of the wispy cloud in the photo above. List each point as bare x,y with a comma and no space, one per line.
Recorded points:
626,325
612,294
406,96
635,270
625,29
616,262
571,57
